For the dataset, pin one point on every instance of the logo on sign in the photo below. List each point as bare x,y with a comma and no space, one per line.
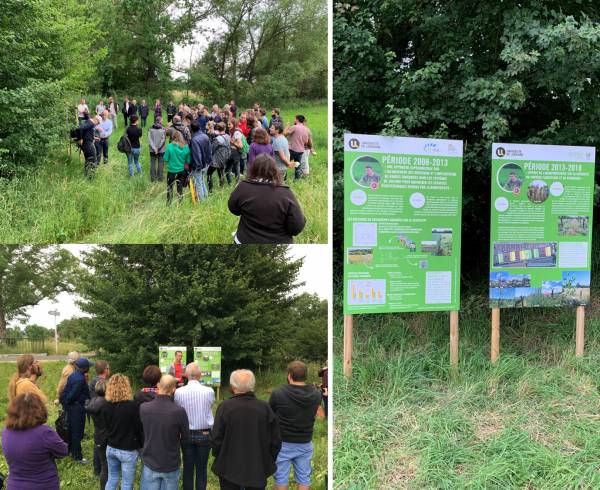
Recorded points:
354,144
431,148
501,152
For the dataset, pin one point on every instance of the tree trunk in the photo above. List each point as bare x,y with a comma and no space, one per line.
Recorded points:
2,325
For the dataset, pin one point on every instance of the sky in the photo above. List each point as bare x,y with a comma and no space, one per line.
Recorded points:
316,272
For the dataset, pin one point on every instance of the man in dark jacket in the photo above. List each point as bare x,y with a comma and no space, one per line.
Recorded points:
182,128
171,111
133,109
73,399
126,110
166,429
295,405
143,111
93,407
87,142
245,438
200,159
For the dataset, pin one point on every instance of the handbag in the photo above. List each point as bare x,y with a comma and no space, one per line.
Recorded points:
62,426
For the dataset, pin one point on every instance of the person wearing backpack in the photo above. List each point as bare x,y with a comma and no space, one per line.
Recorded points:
177,157
237,145
157,138
200,159
221,151
134,134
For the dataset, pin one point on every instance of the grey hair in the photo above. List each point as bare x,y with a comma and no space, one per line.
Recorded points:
192,370
242,380
73,356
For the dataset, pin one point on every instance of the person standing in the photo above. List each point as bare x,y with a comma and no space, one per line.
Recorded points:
200,159
104,130
126,109
166,429
134,134
113,110
82,110
323,374
25,379
171,111
133,109
233,108
87,142
124,433
102,372
30,446
158,112
177,157
65,373
298,137
295,405
197,400
178,126
100,107
237,148
177,369
94,409
73,400
268,210
261,143
157,138
221,151
281,149
245,438
143,111
151,376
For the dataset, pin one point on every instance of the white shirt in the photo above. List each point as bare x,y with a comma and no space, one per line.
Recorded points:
196,399
81,108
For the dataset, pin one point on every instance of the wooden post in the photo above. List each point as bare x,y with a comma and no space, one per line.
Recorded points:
218,393
454,340
495,351
579,331
347,345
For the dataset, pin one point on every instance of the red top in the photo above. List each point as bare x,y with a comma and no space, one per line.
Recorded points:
178,371
244,128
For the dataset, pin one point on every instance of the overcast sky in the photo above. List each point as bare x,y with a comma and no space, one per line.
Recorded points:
316,273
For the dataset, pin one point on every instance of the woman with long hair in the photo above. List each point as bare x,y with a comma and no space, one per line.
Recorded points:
24,380
30,446
260,144
234,162
124,433
268,209
177,158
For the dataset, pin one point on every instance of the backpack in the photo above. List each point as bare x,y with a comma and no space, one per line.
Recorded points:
124,145
75,133
221,152
245,146
62,426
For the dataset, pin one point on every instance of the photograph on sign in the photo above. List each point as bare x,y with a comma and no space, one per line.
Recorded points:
209,362
166,356
402,221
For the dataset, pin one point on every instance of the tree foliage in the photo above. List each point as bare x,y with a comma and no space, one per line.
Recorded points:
482,72
240,298
29,274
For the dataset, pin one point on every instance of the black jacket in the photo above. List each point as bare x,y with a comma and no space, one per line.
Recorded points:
267,214
132,110
296,408
166,429
145,395
245,441
86,129
123,425
94,408
171,110
143,110
124,110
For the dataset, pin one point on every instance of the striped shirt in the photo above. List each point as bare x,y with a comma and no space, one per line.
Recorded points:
197,400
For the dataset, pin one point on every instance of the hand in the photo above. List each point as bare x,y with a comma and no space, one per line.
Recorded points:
186,167
80,142
291,164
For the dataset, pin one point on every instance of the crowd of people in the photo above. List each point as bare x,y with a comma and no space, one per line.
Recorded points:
197,142
169,421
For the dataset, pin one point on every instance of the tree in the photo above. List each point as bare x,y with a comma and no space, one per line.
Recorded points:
72,329
38,332
240,298
29,274
480,71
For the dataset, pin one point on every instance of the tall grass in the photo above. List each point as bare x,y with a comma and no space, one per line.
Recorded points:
75,476
56,204
530,421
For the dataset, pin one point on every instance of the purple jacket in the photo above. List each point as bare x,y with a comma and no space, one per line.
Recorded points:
30,455
256,149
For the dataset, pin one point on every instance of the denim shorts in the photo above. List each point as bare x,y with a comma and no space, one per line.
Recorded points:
298,455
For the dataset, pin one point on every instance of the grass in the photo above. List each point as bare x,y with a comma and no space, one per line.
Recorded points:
34,346
403,420
74,476
57,205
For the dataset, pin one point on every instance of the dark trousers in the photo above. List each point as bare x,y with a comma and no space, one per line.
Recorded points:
101,150
157,165
227,485
243,161
100,450
76,420
325,405
175,179
144,122
170,117
125,116
195,457
297,157
89,157
233,166
212,170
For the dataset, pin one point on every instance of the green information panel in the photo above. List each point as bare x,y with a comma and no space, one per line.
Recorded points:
166,356
402,218
209,361
541,225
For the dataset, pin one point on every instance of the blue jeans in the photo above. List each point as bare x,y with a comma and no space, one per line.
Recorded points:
154,480
120,463
131,157
199,177
195,456
298,455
